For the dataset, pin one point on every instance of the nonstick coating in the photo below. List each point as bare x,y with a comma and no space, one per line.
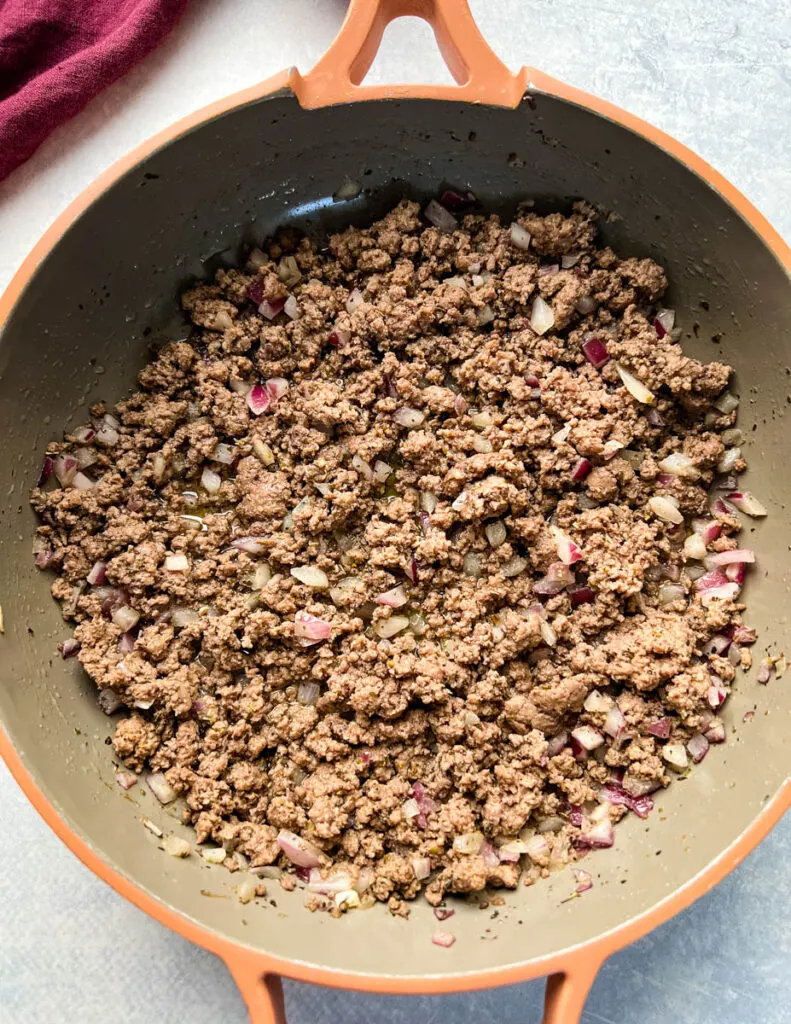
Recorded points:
82,329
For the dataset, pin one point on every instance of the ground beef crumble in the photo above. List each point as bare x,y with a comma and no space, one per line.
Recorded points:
373,564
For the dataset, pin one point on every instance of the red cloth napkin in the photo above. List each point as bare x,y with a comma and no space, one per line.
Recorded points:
56,55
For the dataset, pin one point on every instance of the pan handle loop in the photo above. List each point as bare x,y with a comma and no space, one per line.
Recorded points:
262,993
566,993
481,75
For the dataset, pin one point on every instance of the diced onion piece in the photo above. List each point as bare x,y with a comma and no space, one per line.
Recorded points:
481,419
727,403
69,648
495,533
678,464
126,780
489,855
735,557
362,467
311,576
587,737
258,399
548,634
181,617
410,808
381,471
615,722
472,565
270,310
635,387
250,545
537,849
65,467
308,693
729,459
581,595
660,728
408,418
175,846
106,436
513,567
214,854
82,482
441,218
468,844
542,317
585,304
558,577
562,435
698,747
98,574
261,576
177,563
276,387
581,469
570,260
263,452
510,852
520,237
746,502
598,836
125,618
484,315
694,547
664,321
716,732
288,271
210,481
224,453
664,509
298,850
311,628
444,939
716,696
583,879
709,529
343,590
386,628
732,436
422,867
460,405
669,593
394,598
482,445
595,351
568,552
161,788
676,756
428,501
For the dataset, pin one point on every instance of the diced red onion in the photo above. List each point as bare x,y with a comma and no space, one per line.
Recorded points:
585,304
718,644
513,567
735,655
694,547
562,435
765,672
308,693
635,387
412,570
210,481
258,399
542,316
224,454
394,598
595,352
291,307
746,502
177,563
106,436
520,237
97,577
665,509
276,387
597,837
570,260
310,627
381,471
65,467
558,577
698,747
125,618
428,501
568,552
496,533
338,337
125,780
615,722
46,470
708,529
716,696
745,635
425,521
581,595
581,470
82,482
453,200
489,855
660,728
161,789
587,737
69,647
557,743
736,556
611,448
664,321
676,755
298,850
583,879
250,545
440,217
443,913
549,269
510,852
408,418
537,847
388,385
421,867
681,465
726,403
472,565
714,580
311,576
459,405
271,308
445,939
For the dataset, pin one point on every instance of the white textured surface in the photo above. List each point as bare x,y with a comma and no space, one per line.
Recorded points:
717,75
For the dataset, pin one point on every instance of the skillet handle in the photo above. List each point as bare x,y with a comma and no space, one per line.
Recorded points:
262,993
566,993
481,75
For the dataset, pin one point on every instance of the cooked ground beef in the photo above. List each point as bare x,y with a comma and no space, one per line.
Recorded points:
393,565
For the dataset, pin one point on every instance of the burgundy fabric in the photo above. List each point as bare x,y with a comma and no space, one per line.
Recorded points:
56,55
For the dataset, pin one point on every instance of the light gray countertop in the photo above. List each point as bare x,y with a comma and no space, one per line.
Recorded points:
714,73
